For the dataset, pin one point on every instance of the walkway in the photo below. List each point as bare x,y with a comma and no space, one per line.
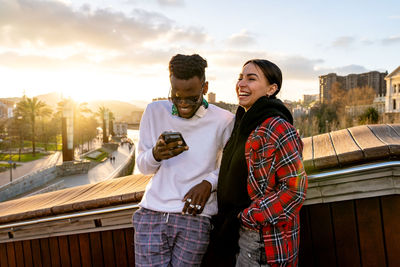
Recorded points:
101,171
31,166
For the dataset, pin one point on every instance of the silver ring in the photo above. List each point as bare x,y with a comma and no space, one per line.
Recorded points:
191,205
198,207
171,153
188,200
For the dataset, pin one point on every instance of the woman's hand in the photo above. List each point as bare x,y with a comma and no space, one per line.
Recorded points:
162,150
196,198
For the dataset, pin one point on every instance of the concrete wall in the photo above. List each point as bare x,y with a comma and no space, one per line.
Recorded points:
33,181
71,168
27,183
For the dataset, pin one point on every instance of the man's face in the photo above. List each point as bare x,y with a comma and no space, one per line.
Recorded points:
187,95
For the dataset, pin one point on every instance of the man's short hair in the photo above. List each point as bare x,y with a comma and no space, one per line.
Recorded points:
186,67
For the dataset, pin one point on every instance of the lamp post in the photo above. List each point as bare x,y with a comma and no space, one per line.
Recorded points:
19,118
68,132
10,161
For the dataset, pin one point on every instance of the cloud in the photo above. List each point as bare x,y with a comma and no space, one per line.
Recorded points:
298,68
293,67
131,62
343,42
243,38
394,17
391,40
190,34
344,70
49,24
171,2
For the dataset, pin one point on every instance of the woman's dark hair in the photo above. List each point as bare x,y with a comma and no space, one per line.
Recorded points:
271,71
186,67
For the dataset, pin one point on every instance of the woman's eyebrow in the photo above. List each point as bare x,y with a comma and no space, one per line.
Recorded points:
251,74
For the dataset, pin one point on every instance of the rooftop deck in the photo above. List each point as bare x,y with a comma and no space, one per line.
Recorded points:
348,167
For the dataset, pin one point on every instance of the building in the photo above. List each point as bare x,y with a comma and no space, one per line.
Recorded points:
121,128
159,98
392,103
308,99
211,97
6,108
373,79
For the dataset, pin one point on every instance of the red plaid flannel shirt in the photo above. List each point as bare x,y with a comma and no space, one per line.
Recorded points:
277,185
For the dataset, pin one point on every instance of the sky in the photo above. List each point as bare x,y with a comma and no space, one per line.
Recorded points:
120,49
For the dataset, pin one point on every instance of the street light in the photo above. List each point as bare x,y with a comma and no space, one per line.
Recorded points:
19,118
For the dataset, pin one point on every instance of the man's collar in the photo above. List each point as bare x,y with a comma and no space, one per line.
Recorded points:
201,111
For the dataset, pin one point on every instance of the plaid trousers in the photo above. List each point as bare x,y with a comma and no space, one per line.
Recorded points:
170,239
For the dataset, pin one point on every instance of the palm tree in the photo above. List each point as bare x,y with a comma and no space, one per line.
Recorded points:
31,108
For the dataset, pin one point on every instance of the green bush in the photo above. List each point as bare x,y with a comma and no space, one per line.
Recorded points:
97,156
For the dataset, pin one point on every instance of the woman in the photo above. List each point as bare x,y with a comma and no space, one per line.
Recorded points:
262,183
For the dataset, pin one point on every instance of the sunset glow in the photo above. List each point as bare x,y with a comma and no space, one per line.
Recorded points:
120,49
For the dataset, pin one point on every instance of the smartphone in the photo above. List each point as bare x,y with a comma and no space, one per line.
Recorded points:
170,137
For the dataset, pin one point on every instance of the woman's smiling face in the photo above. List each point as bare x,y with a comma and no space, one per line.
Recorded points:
251,85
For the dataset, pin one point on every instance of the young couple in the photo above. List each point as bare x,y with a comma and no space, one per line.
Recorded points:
248,202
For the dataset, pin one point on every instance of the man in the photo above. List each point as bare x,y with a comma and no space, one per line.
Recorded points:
173,224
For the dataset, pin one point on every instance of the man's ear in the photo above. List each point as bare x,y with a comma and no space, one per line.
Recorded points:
205,88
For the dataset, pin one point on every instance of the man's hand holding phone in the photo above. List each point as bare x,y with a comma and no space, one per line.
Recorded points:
169,144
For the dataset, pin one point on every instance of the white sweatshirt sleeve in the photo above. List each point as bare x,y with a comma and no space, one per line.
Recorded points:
145,160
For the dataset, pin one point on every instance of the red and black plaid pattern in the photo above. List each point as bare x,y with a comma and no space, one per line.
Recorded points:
277,185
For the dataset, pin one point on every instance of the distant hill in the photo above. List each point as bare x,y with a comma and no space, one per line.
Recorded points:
123,111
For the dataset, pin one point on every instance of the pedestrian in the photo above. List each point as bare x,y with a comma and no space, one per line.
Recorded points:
262,183
173,223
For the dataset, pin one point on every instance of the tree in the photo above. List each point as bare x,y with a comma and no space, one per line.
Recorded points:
31,108
370,116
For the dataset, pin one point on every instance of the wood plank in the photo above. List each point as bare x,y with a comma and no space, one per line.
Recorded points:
130,246
389,136
120,248
391,219
19,253
84,246
96,249
306,256
3,255
370,232
54,251
346,149
322,235
45,249
324,153
346,239
396,127
308,153
65,254
28,259
372,147
36,253
108,250
11,255
74,250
